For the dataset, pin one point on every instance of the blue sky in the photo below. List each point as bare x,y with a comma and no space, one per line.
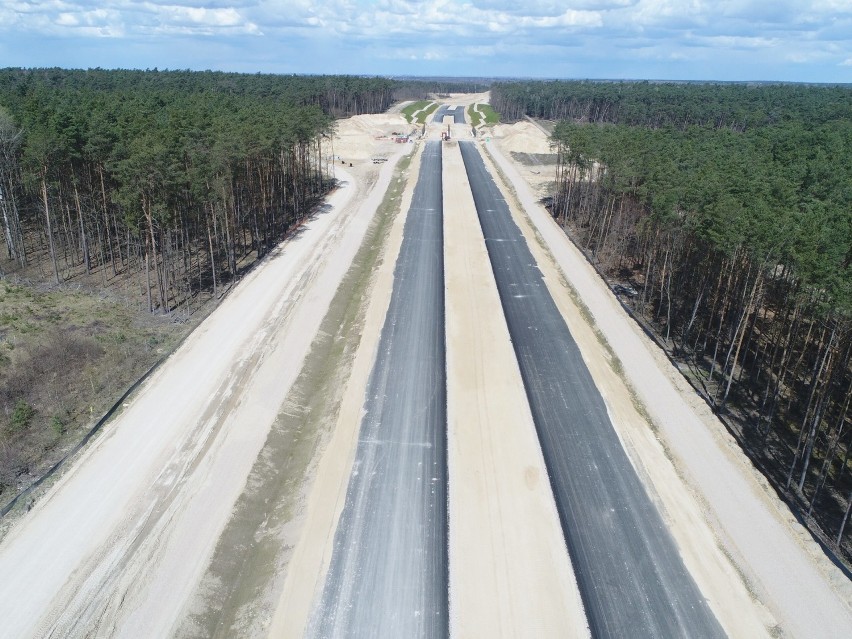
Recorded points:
790,40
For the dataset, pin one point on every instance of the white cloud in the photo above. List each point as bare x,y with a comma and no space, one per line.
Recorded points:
736,42
444,19
115,18
550,7
804,57
199,20
832,6
67,20
524,38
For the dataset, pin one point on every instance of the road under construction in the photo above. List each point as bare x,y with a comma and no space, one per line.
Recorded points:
424,416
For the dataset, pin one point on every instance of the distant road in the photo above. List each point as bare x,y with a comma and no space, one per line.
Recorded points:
444,110
631,578
388,574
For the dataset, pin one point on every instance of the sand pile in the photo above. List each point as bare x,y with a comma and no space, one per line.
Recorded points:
364,137
521,137
525,137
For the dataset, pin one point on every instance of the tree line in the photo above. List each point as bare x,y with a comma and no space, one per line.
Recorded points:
413,88
174,176
658,104
737,244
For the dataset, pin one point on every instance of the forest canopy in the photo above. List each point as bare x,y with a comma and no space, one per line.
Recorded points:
736,106
177,175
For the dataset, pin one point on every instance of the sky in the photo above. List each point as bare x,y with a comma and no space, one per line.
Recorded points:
739,40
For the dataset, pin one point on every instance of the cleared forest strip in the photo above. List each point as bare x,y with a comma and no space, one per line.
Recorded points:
754,527
510,574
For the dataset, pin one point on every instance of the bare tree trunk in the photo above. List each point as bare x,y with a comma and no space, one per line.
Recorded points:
49,224
10,140
723,311
148,279
739,333
84,243
212,255
820,407
817,372
845,519
106,223
829,458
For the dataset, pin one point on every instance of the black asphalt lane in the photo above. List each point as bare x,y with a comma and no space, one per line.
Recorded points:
631,578
388,574
444,110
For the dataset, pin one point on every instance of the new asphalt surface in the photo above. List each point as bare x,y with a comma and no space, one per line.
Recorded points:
631,578
388,572
444,110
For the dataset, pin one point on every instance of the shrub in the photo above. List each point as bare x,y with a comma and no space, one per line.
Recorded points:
22,415
57,425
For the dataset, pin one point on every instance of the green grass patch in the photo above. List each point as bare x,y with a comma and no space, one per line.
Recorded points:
21,416
491,116
409,111
473,113
65,357
425,113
